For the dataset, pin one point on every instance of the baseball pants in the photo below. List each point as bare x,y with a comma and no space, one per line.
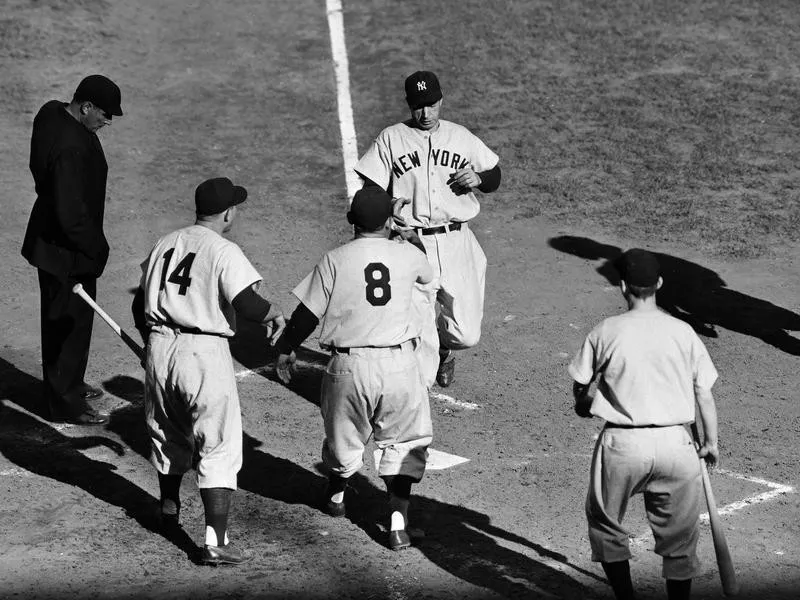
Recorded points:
661,463
459,278
192,407
376,392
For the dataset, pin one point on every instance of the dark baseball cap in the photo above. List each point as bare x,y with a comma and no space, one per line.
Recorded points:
370,209
422,88
639,267
217,195
102,92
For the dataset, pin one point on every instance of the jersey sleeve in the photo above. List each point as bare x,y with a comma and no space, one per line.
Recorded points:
236,272
705,373
424,270
483,158
376,163
581,369
315,289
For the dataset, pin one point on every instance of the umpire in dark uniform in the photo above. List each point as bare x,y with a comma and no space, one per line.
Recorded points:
65,239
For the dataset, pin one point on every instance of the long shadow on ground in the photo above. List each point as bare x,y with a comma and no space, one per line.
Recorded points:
698,296
39,448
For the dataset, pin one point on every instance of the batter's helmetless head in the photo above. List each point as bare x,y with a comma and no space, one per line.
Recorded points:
422,89
217,195
370,209
639,268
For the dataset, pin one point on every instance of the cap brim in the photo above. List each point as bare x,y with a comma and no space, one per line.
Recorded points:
239,195
424,100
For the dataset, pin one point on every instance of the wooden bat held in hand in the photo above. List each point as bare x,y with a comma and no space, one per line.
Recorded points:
129,341
724,563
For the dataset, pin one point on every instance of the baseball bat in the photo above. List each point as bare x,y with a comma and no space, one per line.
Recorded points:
727,574
129,341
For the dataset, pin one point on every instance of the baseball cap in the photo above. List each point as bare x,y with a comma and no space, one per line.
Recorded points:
422,87
102,92
639,267
217,195
370,208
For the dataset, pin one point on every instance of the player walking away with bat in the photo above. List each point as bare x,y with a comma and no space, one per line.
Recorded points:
432,168
65,239
651,369
194,283
372,385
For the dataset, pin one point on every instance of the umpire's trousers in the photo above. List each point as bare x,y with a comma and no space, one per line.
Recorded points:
66,323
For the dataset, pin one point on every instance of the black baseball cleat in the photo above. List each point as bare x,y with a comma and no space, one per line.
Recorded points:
447,368
222,555
399,539
334,509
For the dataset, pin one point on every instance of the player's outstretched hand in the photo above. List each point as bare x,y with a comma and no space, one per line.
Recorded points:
397,206
710,452
275,329
284,367
463,180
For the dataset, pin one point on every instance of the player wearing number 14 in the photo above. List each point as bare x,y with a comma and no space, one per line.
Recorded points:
194,284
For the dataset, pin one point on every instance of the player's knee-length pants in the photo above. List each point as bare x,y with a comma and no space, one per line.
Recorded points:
380,392
662,464
459,278
192,407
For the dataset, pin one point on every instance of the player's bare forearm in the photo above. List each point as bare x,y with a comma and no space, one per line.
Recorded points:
708,415
583,401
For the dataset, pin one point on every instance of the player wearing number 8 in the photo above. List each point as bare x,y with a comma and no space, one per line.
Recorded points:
194,283
372,385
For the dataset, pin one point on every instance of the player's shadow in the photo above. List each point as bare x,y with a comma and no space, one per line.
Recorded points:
698,296
41,449
460,540
250,348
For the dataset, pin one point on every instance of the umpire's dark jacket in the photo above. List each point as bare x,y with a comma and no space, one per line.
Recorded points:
65,231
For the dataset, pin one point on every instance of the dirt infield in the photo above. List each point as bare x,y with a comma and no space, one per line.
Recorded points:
624,124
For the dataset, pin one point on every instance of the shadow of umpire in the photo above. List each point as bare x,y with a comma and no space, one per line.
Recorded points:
41,449
698,296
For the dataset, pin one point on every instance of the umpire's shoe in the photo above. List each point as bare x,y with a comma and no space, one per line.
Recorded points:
447,369
222,555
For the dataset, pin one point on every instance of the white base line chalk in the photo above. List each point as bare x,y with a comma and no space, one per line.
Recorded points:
342,71
776,489
450,400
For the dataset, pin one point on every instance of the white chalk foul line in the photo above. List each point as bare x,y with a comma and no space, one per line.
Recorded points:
342,72
776,489
454,402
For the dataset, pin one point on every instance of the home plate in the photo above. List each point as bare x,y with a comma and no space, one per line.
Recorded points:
437,460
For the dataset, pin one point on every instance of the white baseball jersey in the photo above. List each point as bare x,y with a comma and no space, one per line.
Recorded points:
648,363
412,163
361,292
190,279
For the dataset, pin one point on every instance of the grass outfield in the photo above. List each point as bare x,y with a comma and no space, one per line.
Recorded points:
662,120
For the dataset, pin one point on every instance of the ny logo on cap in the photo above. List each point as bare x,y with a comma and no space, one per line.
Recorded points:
421,86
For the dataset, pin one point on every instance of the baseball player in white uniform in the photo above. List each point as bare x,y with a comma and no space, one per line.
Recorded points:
193,284
432,167
651,370
362,293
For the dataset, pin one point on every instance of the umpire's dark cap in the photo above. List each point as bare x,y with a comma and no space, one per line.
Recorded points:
639,268
370,209
422,88
217,195
102,92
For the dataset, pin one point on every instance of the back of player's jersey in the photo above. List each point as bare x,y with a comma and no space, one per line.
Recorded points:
362,293
190,279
